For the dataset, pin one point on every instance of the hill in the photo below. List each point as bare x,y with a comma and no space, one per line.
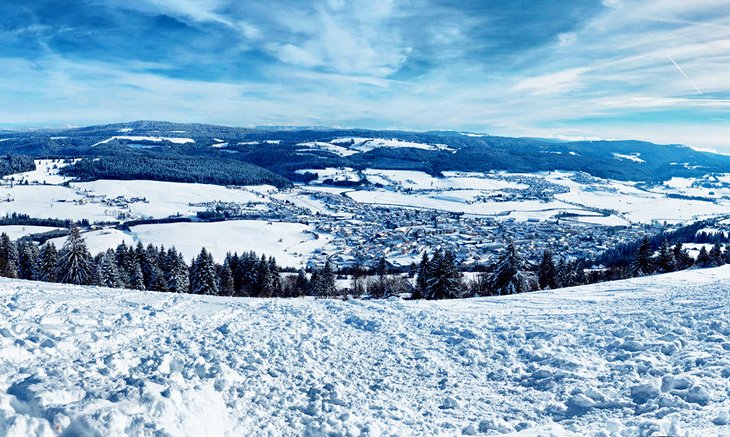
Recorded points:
645,356
183,152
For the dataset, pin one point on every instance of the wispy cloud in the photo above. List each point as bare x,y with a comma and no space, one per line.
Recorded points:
616,69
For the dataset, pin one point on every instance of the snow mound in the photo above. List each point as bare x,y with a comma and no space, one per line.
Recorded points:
648,356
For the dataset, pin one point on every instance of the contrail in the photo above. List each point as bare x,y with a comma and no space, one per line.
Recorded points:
683,73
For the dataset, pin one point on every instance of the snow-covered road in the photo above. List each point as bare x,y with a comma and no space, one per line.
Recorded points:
638,357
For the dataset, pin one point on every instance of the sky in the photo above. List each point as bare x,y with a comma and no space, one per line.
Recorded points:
656,70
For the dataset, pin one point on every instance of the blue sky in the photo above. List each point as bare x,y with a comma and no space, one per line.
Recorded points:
655,69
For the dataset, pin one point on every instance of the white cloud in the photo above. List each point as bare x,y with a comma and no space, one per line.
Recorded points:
351,38
567,38
552,83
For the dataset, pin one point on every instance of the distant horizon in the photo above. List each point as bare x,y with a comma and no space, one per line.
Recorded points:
654,70
586,137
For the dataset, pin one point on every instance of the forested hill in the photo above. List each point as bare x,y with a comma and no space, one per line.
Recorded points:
219,154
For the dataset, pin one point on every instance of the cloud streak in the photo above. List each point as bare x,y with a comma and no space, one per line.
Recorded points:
574,69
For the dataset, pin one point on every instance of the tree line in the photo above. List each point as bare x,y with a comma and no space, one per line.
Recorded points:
158,269
438,276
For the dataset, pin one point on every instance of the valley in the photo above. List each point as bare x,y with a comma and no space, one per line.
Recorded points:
355,217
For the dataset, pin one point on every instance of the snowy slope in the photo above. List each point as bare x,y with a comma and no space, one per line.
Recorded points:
640,357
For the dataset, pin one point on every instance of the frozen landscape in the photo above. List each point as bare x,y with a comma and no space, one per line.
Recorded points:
364,218
648,356
471,212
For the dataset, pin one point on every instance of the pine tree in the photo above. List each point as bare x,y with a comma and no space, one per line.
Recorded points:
563,275
716,258
380,288
203,279
264,280
246,274
75,264
275,278
421,277
225,285
682,260
136,278
232,260
642,264
314,283
124,263
703,258
301,285
575,274
665,258
511,276
8,257
46,269
178,277
356,288
109,271
27,259
153,275
444,277
546,272
324,282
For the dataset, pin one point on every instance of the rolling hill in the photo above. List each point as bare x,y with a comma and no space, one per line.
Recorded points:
646,356
230,155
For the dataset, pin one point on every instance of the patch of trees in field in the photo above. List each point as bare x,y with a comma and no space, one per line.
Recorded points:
173,168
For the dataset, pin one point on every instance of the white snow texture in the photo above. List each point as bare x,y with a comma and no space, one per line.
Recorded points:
647,356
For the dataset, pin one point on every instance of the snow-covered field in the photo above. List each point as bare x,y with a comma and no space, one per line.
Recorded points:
174,140
17,231
100,240
355,145
163,199
46,172
647,356
290,243
454,201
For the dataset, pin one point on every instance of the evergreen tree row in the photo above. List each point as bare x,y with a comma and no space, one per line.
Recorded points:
159,269
436,277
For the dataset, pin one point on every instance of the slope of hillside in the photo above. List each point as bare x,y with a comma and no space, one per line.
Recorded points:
639,357
183,151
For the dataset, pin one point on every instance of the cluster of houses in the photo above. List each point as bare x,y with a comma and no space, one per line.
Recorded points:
401,235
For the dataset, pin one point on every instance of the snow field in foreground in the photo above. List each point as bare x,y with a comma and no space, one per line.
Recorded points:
647,356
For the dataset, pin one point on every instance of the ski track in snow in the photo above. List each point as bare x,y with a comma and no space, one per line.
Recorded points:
639,357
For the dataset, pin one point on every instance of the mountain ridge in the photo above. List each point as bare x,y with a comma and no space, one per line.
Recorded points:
287,152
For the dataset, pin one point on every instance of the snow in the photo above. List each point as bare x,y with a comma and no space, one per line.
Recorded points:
355,145
417,180
290,243
46,172
339,174
18,231
318,145
453,202
646,356
631,202
368,144
633,157
101,240
164,199
54,201
174,140
693,249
